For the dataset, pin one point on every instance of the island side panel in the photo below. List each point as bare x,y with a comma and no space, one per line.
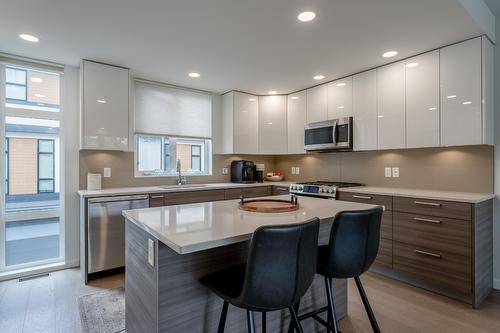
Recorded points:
184,304
141,282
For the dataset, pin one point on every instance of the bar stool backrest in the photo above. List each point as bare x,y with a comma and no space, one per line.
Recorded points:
281,265
354,242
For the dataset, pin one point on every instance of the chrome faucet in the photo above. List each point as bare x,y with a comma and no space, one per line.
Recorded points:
180,180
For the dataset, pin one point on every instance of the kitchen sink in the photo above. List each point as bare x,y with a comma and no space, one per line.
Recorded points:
169,187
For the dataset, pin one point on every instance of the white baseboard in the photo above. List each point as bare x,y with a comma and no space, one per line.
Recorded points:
496,284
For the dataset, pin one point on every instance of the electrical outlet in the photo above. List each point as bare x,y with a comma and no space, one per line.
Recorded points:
395,172
225,171
151,252
107,172
294,170
297,170
388,172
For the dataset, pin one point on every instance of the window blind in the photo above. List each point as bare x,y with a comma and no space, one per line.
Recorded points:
172,111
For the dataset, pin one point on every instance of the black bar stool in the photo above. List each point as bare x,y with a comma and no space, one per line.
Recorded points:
280,268
352,248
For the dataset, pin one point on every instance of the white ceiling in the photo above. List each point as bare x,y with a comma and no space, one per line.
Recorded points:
254,46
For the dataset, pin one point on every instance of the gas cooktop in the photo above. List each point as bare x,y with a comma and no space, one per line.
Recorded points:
323,189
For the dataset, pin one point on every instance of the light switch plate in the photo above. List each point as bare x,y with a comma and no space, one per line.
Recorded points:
388,172
225,171
293,171
395,172
297,170
151,252
107,172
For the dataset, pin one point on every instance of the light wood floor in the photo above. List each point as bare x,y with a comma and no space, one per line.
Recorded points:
49,304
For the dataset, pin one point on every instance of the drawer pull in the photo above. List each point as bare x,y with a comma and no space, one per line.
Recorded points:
366,197
157,197
423,203
430,254
427,220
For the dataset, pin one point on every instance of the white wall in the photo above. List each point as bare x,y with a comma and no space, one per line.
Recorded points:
70,129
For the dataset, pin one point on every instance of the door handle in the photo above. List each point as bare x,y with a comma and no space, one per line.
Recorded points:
430,254
433,204
427,220
366,197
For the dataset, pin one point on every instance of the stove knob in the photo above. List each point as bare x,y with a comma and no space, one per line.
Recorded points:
330,190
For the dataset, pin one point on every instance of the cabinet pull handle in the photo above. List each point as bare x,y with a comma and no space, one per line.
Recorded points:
430,254
427,220
423,203
362,197
157,197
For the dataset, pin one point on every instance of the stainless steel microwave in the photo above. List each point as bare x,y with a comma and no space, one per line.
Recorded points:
334,134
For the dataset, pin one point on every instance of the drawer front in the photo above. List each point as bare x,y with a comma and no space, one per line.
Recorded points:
180,198
386,226
280,190
436,233
372,199
384,257
450,209
248,192
447,270
156,200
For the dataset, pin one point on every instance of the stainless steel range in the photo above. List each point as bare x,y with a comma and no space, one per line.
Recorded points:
321,189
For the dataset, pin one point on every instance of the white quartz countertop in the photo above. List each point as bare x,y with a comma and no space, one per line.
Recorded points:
196,227
171,188
423,194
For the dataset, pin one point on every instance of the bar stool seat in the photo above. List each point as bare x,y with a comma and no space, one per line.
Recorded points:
280,268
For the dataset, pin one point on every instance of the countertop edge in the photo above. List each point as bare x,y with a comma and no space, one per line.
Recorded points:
475,198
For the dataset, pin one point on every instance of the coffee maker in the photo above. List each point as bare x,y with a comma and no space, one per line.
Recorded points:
242,171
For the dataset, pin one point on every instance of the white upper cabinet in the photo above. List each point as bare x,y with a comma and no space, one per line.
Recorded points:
317,103
272,125
104,107
364,107
246,123
422,100
460,71
296,119
391,106
340,98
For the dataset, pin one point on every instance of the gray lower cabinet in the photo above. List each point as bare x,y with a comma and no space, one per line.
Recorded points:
443,246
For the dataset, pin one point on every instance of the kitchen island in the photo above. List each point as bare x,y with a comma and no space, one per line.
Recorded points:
168,250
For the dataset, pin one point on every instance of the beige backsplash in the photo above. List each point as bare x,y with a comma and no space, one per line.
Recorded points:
467,169
122,169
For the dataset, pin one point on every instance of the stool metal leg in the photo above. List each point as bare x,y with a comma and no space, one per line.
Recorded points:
223,315
264,322
291,327
369,312
296,319
250,322
331,304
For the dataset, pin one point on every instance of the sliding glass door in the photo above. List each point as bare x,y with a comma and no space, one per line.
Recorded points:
31,225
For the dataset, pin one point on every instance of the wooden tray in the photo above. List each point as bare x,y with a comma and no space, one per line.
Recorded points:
269,205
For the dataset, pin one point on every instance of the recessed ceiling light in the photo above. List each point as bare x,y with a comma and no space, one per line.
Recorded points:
272,92
102,101
466,102
194,74
36,79
319,77
451,96
340,84
389,54
29,38
295,97
269,123
411,64
432,109
252,99
306,16
340,107
40,95
380,116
